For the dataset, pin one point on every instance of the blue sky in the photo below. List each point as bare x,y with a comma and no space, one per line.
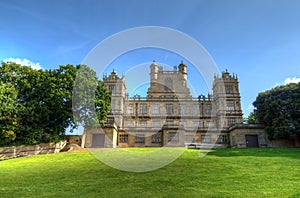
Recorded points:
258,40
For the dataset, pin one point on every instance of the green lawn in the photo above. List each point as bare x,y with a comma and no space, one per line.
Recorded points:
221,173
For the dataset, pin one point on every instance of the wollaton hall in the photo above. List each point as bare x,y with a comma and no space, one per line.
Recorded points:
170,116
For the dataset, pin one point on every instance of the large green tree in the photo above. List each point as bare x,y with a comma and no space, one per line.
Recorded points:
91,99
44,101
279,110
8,114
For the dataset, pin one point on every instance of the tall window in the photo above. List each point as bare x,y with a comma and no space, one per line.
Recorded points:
169,109
183,124
196,124
140,138
173,137
230,105
222,139
195,109
143,123
229,89
156,124
168,83
123,138
208,109
143,109
112,88
129,123
231,121
169,123
206,138
156,138
110,120
155,109
130,109
209,124
182,109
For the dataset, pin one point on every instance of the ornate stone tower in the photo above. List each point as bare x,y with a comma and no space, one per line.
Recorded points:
116,86
227,100
167,84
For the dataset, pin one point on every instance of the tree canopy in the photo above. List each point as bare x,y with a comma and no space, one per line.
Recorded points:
279,110
36,105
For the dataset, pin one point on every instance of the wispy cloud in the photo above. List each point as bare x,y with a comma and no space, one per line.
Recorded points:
291,80
24,62
250,107
288,81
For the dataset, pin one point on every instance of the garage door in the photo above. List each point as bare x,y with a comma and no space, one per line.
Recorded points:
98,140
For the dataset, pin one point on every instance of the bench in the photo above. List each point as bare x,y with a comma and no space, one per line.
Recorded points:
201,145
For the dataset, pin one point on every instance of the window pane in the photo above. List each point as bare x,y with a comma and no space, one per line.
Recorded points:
206,138
143,109
183,124
143,123
123,138
230,105
195,109
173,137
156,109
140,138
111,88
156,124
231,121
130,109
182,109
156,138
228,89
208,109
169,109
222,139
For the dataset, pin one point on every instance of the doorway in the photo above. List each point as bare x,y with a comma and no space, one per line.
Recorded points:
98,140
252,141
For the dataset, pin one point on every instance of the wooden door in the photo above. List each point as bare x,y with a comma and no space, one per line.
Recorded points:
251,141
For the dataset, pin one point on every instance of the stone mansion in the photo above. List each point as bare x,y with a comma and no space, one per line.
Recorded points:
170,116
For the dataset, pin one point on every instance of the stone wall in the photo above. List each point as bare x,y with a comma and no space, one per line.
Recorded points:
28,150
239,131
282,143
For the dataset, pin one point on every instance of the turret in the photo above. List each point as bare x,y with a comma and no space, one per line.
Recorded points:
153,71
182,69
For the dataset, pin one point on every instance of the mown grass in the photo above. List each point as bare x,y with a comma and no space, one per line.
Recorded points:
221,173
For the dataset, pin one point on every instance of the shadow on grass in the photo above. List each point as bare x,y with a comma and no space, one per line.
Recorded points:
256,152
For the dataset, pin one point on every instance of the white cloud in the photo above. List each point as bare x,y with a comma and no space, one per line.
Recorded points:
291,80
287,81
250,107
24,62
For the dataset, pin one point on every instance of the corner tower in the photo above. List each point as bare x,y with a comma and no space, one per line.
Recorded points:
116,86
227,100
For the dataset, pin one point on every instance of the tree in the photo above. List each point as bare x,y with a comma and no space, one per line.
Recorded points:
91,99
251,119
8,114
279,110
43,100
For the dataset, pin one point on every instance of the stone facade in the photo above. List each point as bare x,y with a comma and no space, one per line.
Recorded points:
170,116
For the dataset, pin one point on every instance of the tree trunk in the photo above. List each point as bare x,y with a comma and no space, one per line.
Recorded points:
297,141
